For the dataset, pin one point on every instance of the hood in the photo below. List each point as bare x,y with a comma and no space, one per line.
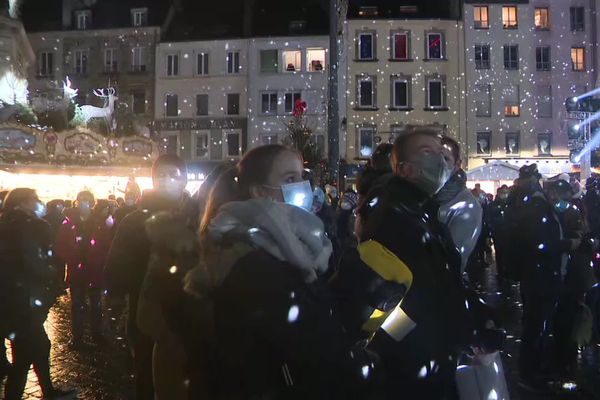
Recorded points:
288,233
456,184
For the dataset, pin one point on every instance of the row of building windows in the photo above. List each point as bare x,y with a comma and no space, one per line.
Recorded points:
512,144
232,63
401,92
541,18
81,61
400,45
208,146
271,103
172,105
511,57
83,18
511,100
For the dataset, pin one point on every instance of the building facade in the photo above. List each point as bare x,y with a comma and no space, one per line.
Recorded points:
97,52
283,70
523,59
201,103
16,55
402,71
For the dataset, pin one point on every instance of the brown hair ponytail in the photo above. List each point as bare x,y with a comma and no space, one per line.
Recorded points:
235,184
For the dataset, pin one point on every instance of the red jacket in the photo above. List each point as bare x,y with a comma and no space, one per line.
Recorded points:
83,246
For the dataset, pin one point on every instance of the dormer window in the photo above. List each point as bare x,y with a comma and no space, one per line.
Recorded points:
83,19
368,11
139,16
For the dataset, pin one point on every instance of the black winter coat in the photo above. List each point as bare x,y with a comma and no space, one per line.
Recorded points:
27,280
279,337
419,363
128,257
542,251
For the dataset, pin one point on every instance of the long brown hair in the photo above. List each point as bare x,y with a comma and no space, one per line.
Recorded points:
235,184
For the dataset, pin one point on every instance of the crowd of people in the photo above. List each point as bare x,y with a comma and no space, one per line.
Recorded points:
264,285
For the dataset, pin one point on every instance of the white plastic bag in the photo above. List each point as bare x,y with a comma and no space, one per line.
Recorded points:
483,379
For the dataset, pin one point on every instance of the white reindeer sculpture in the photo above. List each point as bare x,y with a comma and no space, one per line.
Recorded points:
105,112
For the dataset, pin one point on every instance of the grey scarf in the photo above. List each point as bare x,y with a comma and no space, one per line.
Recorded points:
286,232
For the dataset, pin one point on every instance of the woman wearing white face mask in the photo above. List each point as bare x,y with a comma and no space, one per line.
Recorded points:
275,327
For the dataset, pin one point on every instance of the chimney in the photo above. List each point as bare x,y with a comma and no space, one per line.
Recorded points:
248,17
67,14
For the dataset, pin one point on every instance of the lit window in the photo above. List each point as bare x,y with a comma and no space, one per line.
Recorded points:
291,60
315,59
542,58
542,18
509,17
435,46
233,62
366,46
577,19
400,49
511,57
366,141
512,110
482,56
172,65
290,100
269,103
512,100
481,19
578,58
202,64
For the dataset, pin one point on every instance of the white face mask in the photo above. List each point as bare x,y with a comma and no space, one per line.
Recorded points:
298,194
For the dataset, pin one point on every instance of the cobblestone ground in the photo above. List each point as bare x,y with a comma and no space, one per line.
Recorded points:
102,372
97,372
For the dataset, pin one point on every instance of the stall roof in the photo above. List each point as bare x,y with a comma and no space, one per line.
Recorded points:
75,170
494,171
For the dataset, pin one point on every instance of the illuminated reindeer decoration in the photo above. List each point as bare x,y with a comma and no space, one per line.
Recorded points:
105,112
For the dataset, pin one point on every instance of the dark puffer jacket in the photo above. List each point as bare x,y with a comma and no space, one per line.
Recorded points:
403,289
27,281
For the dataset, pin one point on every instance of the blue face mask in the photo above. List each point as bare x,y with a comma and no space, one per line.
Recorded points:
562,205
298,194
